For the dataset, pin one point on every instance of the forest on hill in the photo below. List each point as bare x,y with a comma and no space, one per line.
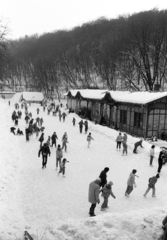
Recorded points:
127,53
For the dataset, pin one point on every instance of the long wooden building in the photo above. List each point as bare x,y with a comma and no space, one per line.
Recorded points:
141,114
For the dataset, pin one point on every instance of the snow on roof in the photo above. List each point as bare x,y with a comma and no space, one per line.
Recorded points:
89,93
33,96
137,97
121,96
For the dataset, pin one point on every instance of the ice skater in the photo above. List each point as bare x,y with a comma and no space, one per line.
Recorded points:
89,138
152,155
54,137
41,139
151,185
106,192
59,155
45,150
119,141
62,167
139,143
81,126
161,159
86,126
103,176
73,121
64,141
125,148
131,182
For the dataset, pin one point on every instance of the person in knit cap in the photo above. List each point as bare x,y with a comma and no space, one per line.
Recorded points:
106,192
93,196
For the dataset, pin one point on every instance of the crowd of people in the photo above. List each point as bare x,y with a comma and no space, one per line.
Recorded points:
98,186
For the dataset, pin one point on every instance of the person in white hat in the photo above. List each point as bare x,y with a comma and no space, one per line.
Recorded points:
106,192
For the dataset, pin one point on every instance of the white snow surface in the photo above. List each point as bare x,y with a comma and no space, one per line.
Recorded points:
33,96
121,96
51,207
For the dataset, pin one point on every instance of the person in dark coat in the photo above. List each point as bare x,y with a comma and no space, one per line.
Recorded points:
139,143
16,120
45,150
41,139
60,115
64,116
19,132
86,126
27,119
37,110
27,131
161,160
41,121
73,121
31,121
12,129
103,177
54,137
37,130
81,126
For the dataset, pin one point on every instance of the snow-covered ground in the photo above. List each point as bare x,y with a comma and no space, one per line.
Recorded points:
51,207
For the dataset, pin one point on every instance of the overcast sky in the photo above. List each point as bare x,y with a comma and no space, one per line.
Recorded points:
27,17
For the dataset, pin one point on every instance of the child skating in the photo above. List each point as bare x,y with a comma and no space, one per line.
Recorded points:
62,167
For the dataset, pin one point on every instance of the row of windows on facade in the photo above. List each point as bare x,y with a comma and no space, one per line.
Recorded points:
138,118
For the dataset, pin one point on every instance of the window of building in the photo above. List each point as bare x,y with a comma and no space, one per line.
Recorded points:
123,116
138,120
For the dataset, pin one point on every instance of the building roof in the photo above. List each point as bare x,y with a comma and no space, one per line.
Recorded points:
119,96
33,96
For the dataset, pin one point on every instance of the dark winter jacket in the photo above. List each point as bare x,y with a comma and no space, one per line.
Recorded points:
103,177
81,124
139,143
161,157
27,117
45,150
54,137
41,138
